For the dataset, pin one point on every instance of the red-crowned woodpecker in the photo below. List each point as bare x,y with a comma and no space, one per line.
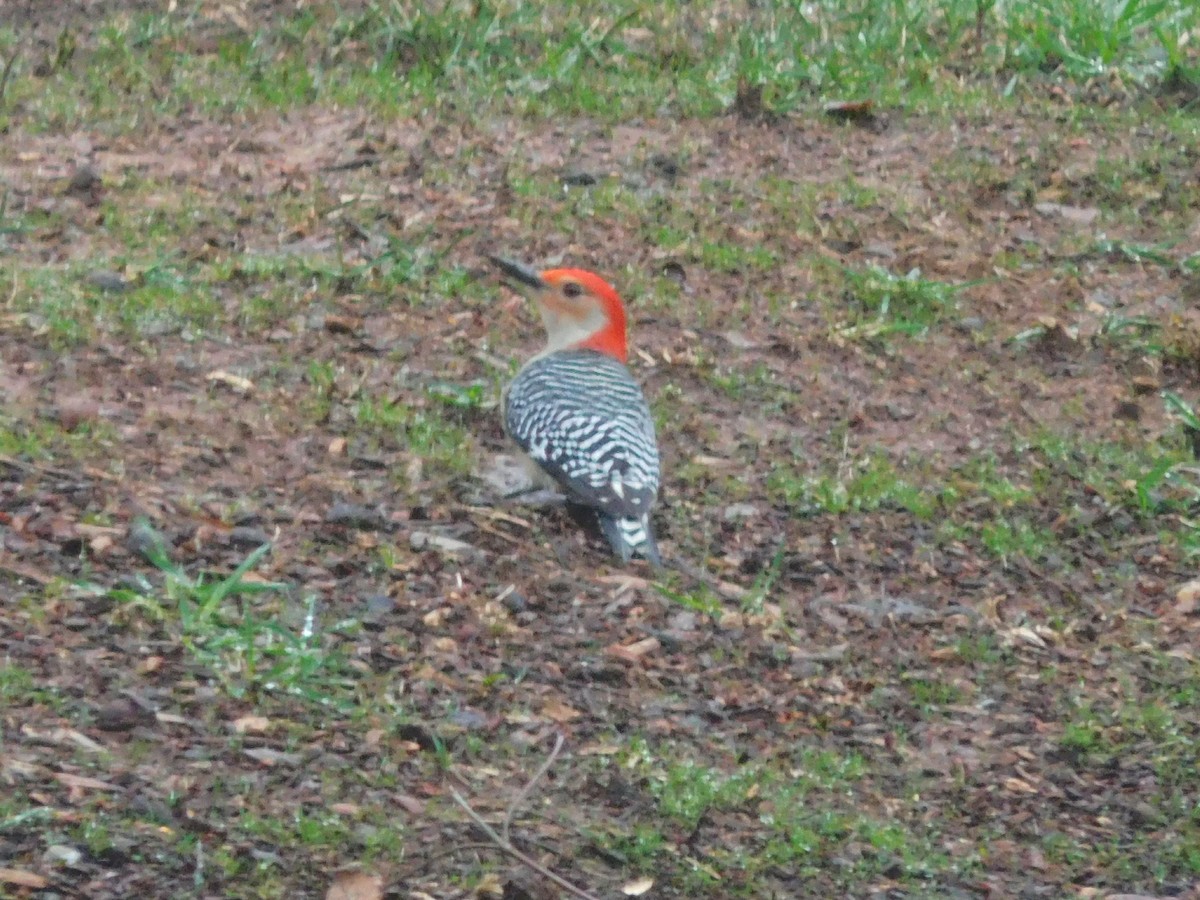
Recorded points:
577,412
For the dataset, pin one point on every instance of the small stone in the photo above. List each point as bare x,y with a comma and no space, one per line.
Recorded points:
76,411
353,515
577,178
379,605
515,602
145,541
122,715
426,540
505,475
666,165
470,719
62,855
342,325
1128,410
1145,384
971,323
736,511
247,536
85,180
109,282
674,270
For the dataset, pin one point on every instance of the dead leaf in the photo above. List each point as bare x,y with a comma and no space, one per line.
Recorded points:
63,736
634,652
1023,635
599,750
269,757
150,665
411,804
236,383
355,885
1019,786
83,782
489,885
251,724
738,340
1077,215
21,878
342,325
557,711
637,887
1187,598
713,462
850,110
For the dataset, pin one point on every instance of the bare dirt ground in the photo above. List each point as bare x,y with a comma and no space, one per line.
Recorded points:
528,631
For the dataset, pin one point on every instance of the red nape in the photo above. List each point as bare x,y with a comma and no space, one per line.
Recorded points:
611,339
607,340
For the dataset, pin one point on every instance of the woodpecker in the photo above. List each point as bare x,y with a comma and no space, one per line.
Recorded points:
576,411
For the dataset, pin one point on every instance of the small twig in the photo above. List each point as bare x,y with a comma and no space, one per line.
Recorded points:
704,579
498,533
516,854
520,798
8,67
504,842
457,848
500,516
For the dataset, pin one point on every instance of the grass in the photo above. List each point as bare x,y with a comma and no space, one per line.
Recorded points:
608,61
836,791
249,651
859,485
798,799
981,503
885,304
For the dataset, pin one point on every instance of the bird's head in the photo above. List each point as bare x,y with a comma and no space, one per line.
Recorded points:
579,308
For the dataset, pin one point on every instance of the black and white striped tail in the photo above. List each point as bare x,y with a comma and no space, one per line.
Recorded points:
630,536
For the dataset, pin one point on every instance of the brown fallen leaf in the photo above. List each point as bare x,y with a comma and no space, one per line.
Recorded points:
355,885
1187,598
269,757
84,782
637,887
411,804
342,325
738,340
61,736
489,886
1077,215
634,652
235,383
251,724
76,411
1019,786
149,665
21,878
557,711
850,110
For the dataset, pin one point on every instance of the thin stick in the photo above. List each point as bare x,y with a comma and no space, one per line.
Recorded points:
704,579
8,67
520,798
516,854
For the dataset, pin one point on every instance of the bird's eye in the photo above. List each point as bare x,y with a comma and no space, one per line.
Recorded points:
571,289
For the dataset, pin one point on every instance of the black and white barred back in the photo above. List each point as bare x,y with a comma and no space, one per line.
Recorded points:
581,417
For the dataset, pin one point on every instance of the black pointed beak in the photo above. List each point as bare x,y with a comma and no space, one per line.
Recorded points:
519,273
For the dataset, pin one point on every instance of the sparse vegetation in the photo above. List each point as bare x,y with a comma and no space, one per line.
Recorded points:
913,290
